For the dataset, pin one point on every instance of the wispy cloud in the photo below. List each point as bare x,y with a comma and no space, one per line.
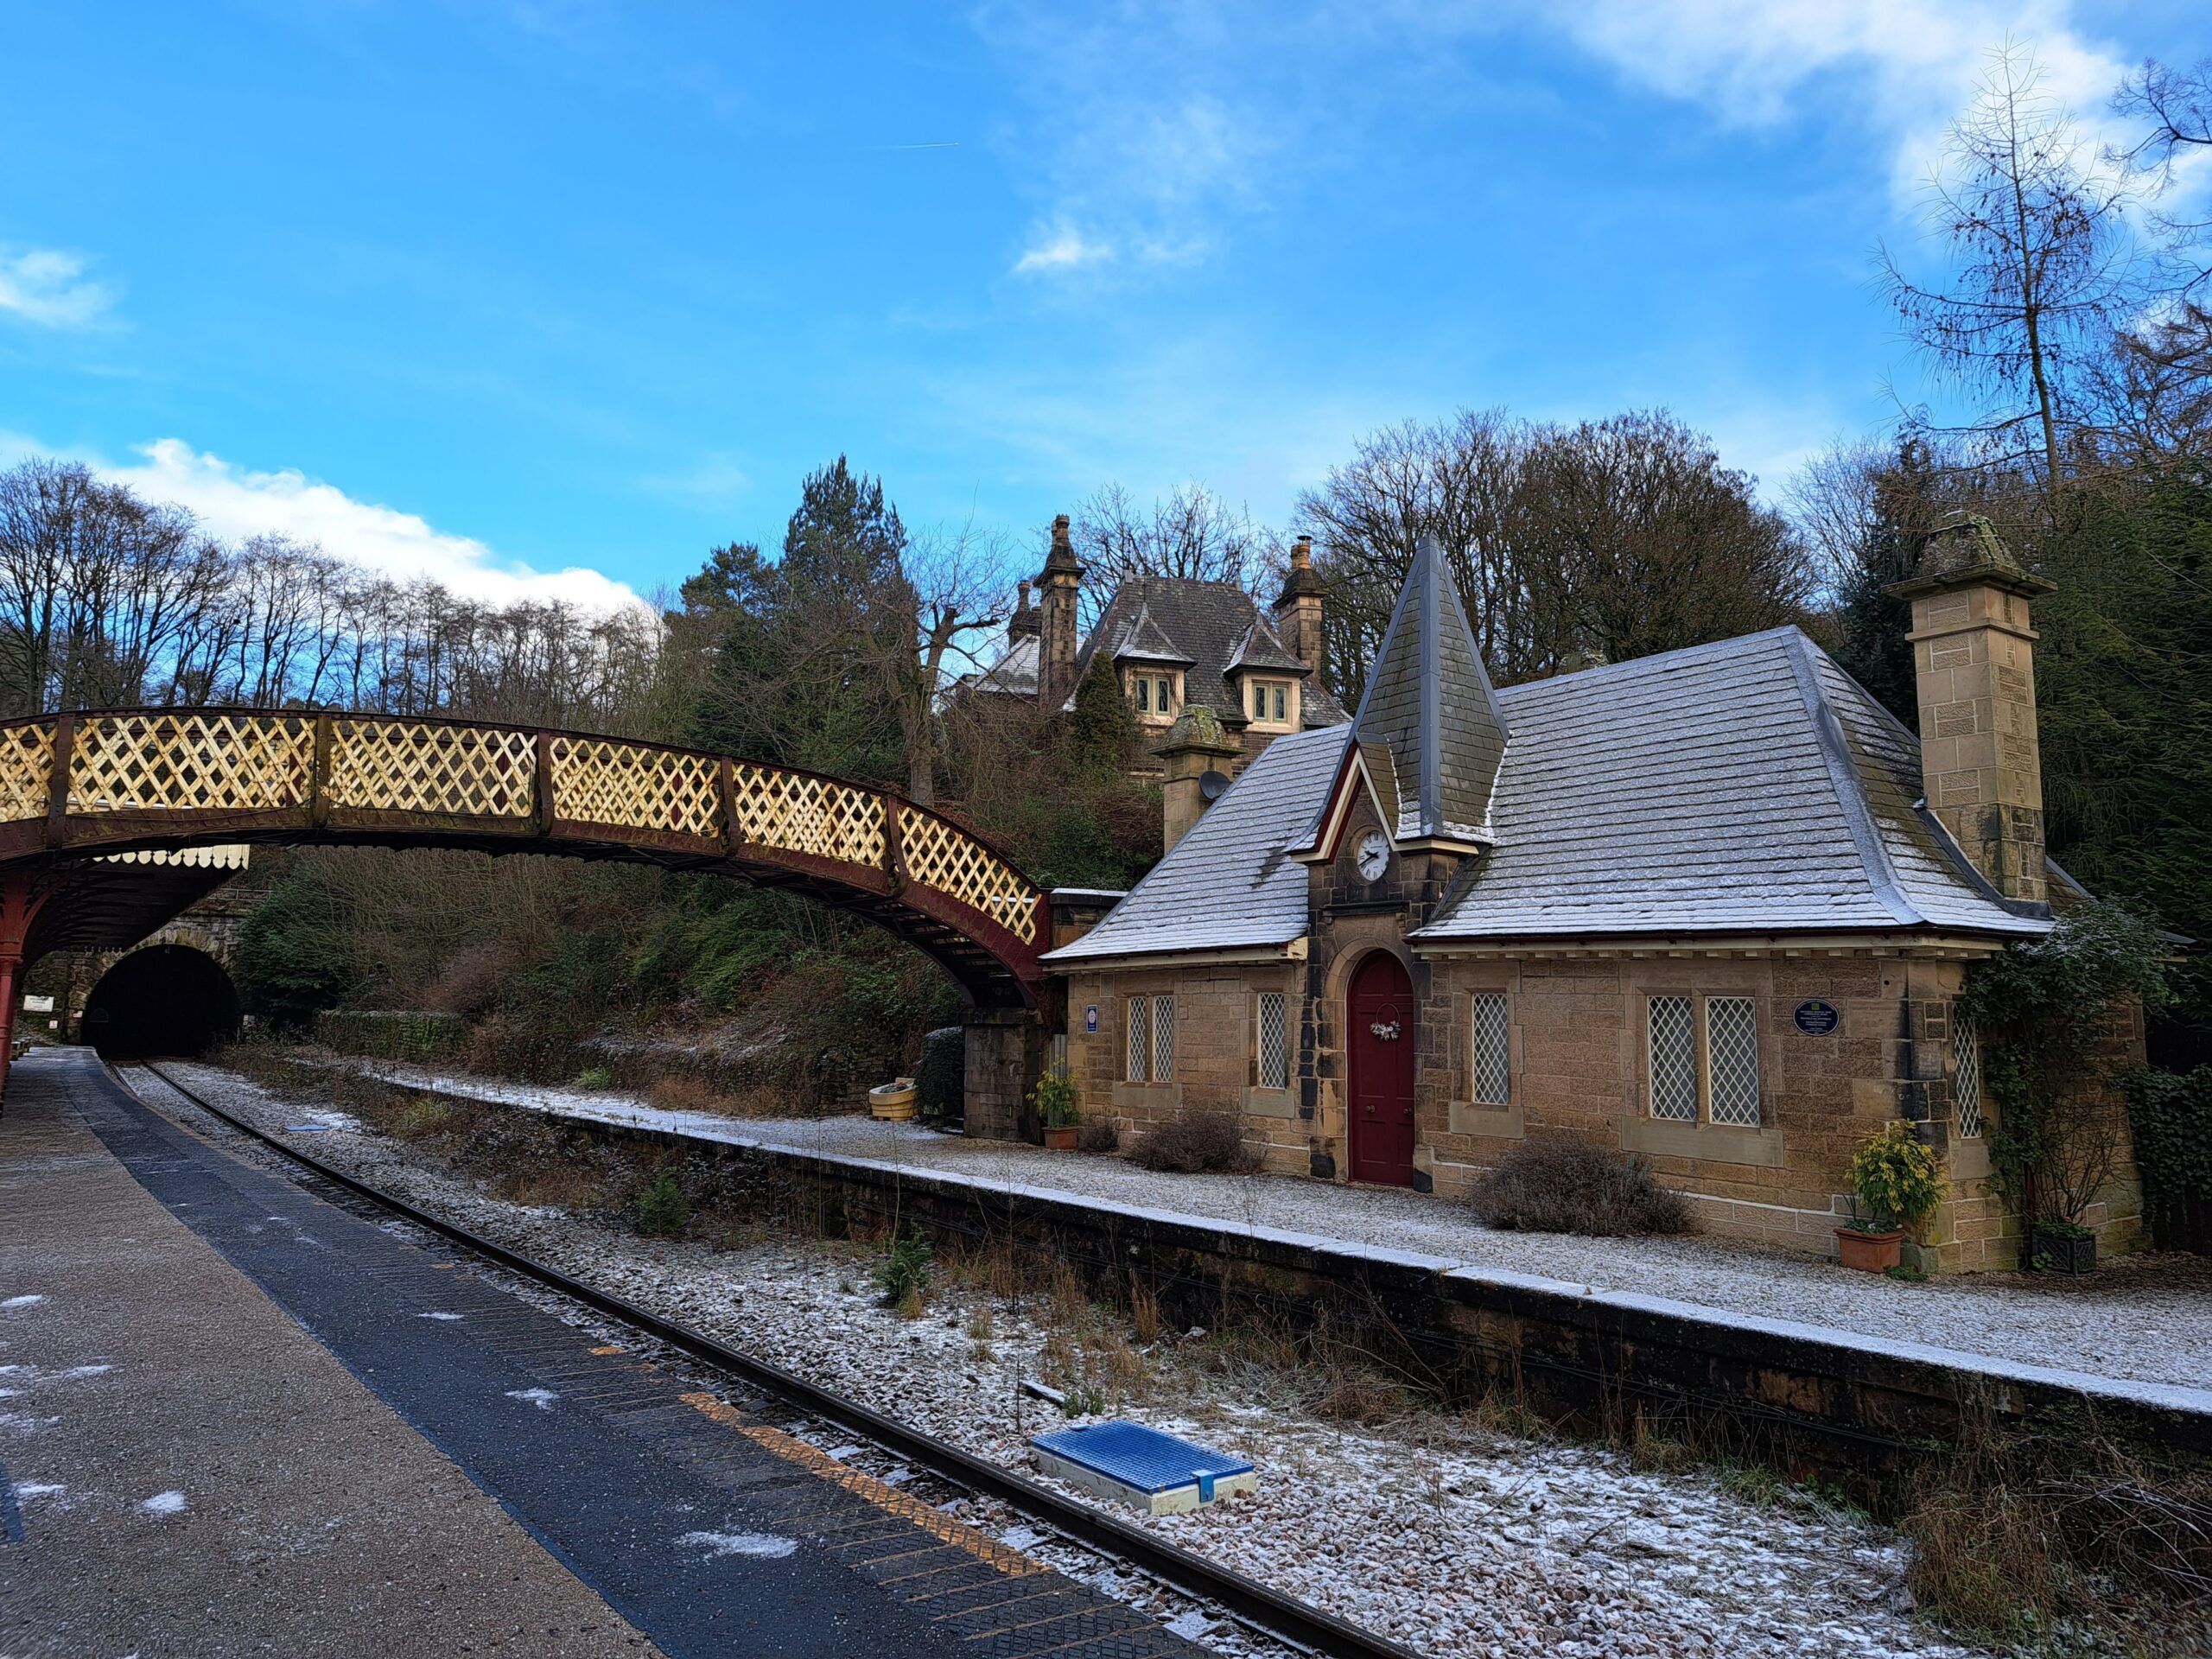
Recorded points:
1059,246
1911,66
234,501
48,287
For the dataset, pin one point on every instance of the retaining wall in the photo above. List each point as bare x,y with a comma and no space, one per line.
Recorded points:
1819,1401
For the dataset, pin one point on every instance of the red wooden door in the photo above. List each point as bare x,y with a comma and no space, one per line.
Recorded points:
1380,1011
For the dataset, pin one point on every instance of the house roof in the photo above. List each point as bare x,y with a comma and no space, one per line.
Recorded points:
1429,727
1204,622
1750,786
1142,641
1015,673
1260,648
1229,882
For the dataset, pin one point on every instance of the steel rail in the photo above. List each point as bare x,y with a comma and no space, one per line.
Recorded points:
1283,1618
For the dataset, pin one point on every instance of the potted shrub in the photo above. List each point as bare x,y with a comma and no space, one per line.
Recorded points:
1895,1182
1056,1102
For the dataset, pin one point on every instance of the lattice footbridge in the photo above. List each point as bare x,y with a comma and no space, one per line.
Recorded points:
91,783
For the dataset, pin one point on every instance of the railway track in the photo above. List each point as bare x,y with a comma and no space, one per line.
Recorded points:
1247,1602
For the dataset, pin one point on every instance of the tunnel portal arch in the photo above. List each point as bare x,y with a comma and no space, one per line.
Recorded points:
164,1000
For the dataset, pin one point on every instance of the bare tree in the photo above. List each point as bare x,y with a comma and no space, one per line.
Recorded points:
2177,105
1193,533
2043,263
957,595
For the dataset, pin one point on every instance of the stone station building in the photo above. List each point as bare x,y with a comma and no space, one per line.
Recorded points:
1714,908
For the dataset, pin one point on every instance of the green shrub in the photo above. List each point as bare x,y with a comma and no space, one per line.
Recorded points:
2170,1114
904,1274
1057,1100
595,1077
663,1211
1896,1179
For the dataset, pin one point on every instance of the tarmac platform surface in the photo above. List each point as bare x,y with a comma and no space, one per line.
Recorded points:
238,1419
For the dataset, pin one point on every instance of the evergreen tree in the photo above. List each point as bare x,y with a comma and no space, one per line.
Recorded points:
1872,625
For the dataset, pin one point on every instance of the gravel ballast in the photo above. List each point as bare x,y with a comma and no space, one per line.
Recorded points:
1448,1537
2147,1317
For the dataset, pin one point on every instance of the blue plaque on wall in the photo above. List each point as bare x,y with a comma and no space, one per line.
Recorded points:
1817,1019
1090,1018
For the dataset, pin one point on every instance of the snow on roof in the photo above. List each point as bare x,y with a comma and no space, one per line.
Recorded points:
1747,785
1429,725
1229,883
1205,622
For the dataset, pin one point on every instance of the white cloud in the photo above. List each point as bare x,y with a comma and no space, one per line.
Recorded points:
48,287
1062,247
235,502
1912,65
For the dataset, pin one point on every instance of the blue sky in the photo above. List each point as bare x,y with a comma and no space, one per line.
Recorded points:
501,292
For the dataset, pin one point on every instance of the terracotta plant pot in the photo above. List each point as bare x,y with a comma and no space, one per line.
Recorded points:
1870,1252
1061,1138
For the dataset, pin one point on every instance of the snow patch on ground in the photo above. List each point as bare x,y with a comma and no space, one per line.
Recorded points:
442,1318
164,1503
22,1302
541,1398
764,1544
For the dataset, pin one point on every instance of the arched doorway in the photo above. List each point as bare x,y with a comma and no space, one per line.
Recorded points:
1379,1021
169,999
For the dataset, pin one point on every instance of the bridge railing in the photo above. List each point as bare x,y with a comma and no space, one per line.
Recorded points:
139,769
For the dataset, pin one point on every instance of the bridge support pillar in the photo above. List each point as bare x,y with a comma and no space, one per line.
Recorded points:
19,907
1005,1057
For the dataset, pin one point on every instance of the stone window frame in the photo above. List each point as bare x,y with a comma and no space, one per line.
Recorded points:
1279,690
1288,1041
1145,1020
1700,998
1970,1085
1464,1115
1139,680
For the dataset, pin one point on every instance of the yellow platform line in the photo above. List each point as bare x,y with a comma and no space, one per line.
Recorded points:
889,1499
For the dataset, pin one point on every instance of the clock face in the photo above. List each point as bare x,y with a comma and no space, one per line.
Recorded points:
1372,854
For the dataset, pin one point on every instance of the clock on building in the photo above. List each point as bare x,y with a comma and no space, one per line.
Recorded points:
1372,854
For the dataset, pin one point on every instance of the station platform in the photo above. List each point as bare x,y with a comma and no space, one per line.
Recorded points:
237,1419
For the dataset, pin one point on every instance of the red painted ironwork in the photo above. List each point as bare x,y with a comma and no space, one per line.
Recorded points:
1379,1015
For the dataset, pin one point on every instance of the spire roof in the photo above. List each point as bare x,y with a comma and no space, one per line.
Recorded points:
1430,729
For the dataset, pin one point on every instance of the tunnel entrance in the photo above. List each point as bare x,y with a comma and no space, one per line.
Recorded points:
170,999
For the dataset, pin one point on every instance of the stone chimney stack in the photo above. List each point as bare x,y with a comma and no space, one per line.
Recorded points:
1025,618
1298,607
1062,578
1974,654
1196,744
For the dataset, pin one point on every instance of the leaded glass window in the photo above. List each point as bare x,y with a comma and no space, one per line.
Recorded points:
1732,1047
1673,1060
1139,1037
1490,1051
1965,1076
1163,1039
1274,1041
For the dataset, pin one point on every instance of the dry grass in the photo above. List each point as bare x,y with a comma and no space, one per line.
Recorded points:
1565,1184
679,1091
2023,1540
1098,1136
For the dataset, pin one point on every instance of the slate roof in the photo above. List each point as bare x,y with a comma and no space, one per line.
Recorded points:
1204,622
1015,673
1429,727
1747,786
1229,882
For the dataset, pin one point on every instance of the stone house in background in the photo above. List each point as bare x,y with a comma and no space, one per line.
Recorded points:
1714,908
1174,644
